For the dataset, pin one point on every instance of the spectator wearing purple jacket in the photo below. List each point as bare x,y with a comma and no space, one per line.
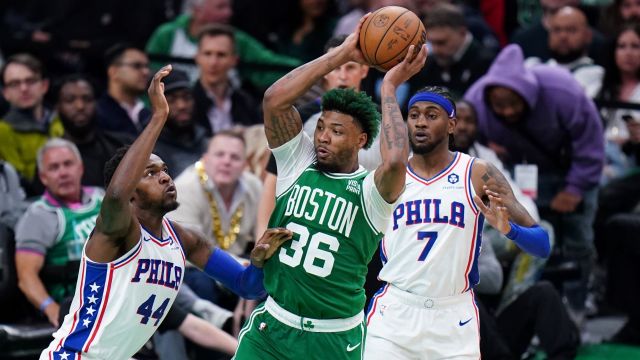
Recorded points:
541,116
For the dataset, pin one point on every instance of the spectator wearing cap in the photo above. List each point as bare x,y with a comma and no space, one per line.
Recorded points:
182,141
75,105
120,108
541,119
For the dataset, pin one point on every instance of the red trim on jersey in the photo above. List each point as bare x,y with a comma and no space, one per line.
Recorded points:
75,314
471,254
121,264
105,301
375,303
175,238
468,184
445,172
475,308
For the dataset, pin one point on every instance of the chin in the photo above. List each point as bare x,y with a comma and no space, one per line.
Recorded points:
170,206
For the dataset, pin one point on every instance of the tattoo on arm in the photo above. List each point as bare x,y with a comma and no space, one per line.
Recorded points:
283,127
394,132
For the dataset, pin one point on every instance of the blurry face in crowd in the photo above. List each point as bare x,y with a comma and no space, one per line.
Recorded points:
628,52
131,71
180,107
61,173
445,41
213,11
337,139
466,126
313,8
506,104
569,35
76,104
156,190
429,126
215,57
550,7
23,88
225,159
424,6
630,9
347,75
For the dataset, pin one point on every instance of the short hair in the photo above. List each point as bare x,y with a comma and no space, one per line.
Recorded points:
356,104
56,143
68,79
334,41
27,60
235,134
111,165
212,30
115,53
444,92
445,15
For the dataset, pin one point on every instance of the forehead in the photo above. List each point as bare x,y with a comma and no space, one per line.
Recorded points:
57,154
225,142
155,160
218,42
329,117
78,86
133,54
14,70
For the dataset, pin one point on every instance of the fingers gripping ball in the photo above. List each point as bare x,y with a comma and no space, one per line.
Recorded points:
387,34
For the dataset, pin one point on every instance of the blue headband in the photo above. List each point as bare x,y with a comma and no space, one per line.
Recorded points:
436,99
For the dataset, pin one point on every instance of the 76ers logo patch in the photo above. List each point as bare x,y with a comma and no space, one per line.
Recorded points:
453,178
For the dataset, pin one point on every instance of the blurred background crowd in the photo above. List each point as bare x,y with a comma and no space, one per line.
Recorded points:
549,90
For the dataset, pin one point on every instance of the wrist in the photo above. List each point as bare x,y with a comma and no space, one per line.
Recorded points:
45,303
513,232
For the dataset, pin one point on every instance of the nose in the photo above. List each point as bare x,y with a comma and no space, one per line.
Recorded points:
323,137
164,178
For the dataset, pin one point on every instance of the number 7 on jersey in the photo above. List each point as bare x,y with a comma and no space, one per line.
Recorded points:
431,237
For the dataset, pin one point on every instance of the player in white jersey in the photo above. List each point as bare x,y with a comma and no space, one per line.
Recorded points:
426,309
133,262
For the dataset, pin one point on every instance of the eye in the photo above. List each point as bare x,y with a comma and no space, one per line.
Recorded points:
337,132
432,116
413,115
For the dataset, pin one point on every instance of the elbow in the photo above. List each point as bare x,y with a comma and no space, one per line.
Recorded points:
272,98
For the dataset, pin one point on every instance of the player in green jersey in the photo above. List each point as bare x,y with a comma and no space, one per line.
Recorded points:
334,207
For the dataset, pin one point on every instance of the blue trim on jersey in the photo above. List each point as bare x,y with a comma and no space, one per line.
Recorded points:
373,298
177,236
93,291
161,242
470,186
474,274
436,175
133,252
63,353
383,257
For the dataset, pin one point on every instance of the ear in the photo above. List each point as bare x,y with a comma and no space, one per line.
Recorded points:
235,60
43,178
364,70
452,125
45,85
362,140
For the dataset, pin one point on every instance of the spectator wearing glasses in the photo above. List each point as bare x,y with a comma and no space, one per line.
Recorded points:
28,124
120,108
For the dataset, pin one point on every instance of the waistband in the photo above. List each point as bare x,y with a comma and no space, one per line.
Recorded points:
424,302
309,324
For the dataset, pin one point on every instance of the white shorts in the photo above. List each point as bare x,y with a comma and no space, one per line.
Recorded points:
401,325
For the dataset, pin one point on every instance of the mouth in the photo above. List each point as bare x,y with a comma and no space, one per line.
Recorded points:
322,153
171,190
420,136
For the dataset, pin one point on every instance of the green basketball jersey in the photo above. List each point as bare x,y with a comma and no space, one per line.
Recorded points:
320,273
74,227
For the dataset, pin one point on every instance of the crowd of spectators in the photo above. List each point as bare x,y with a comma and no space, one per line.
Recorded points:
547,90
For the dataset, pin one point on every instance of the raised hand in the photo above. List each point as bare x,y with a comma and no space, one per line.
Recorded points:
158,101
351,44
409,66
267,245
496,213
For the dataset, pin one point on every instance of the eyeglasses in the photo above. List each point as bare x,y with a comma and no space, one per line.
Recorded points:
135,65
15,84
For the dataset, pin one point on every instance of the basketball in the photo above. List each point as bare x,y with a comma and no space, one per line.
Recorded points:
387,34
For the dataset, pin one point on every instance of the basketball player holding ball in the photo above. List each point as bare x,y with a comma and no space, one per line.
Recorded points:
334,207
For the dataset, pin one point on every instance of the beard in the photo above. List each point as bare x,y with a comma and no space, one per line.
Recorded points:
169,206
424,148
77,132
568,57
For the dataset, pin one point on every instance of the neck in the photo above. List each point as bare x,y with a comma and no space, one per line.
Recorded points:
75,198
226,192
628,78
38,112
218,89
80,135
151,221
121,95
428,165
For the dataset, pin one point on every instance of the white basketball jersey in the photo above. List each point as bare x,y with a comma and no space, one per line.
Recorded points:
432,243
119,305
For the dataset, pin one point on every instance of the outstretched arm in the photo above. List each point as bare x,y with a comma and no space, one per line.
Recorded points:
394,142
281,120
497,203
117,228
215,262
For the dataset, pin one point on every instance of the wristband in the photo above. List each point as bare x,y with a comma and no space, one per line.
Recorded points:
46,302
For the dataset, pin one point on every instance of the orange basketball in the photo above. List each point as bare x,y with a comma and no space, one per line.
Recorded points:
387,34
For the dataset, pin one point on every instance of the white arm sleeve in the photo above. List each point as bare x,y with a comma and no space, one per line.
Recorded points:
292,158
377,208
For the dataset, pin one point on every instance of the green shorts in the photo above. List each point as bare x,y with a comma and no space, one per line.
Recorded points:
266,337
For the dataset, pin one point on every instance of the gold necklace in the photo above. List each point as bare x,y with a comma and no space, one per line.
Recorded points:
224,240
